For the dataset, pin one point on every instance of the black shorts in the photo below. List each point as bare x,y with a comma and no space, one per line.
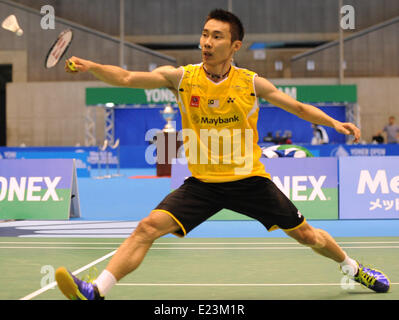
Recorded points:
256,197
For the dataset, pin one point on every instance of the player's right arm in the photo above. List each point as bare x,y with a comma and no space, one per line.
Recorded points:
165,76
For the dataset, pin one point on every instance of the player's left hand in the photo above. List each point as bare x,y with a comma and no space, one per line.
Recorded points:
348,128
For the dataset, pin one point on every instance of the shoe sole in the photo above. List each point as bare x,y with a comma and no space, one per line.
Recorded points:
67,285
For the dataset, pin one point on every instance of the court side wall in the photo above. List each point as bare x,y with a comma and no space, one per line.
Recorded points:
27,53
53,113
171,17
49,113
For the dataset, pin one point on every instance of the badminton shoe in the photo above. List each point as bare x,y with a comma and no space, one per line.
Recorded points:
372,279
74,288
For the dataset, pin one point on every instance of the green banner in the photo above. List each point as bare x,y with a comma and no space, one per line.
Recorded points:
321,93
101,96
304,93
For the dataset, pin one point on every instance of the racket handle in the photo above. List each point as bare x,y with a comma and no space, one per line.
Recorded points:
72,66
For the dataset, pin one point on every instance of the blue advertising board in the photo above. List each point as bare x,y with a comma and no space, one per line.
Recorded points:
38,189
369,188
79,154
353,150
310,183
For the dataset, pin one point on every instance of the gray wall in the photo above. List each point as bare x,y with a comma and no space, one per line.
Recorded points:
187,16
372,54
49,113
86,44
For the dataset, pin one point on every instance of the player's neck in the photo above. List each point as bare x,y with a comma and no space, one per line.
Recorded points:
218,72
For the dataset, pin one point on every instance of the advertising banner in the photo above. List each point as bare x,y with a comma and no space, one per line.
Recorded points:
355,150
369,187
80,154
38,189
310,183
305,93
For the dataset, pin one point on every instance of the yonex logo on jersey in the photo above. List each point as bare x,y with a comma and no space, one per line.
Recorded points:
299,214
195,101
230,100
219,120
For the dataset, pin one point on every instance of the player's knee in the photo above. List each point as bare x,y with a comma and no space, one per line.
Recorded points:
147,230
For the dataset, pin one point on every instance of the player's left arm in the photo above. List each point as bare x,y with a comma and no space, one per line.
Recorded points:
266,90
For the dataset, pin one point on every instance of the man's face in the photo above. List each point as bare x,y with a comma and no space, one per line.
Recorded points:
391,120
216,42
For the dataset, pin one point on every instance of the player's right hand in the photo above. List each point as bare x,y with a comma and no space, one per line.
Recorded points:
75,65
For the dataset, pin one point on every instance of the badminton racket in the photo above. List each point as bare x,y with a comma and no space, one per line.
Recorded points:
58,50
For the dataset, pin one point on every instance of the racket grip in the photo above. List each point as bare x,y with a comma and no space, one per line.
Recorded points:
71,66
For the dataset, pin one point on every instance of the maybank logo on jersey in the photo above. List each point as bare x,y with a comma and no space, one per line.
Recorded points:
219,120
29,189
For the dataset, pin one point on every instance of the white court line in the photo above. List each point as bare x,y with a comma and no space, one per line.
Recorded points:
77,235
199,248
40,223
56,242
53,284
233,284
193,243
77,232
80,227
70,248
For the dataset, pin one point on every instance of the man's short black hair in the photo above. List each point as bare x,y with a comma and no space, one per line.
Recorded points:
236,27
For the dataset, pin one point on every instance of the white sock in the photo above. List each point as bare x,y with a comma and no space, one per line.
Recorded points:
105,282
349,266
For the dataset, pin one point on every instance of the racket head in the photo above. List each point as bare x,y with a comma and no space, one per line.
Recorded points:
58,49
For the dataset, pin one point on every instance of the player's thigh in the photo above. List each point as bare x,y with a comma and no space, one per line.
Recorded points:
190,205
260,199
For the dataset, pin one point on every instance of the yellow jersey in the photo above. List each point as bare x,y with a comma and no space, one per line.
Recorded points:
219,125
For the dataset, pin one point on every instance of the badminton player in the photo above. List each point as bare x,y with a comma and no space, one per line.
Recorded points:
215,96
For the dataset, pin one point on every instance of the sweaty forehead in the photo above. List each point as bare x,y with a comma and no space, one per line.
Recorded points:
217,26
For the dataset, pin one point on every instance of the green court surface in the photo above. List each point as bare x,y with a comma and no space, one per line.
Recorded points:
199,268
